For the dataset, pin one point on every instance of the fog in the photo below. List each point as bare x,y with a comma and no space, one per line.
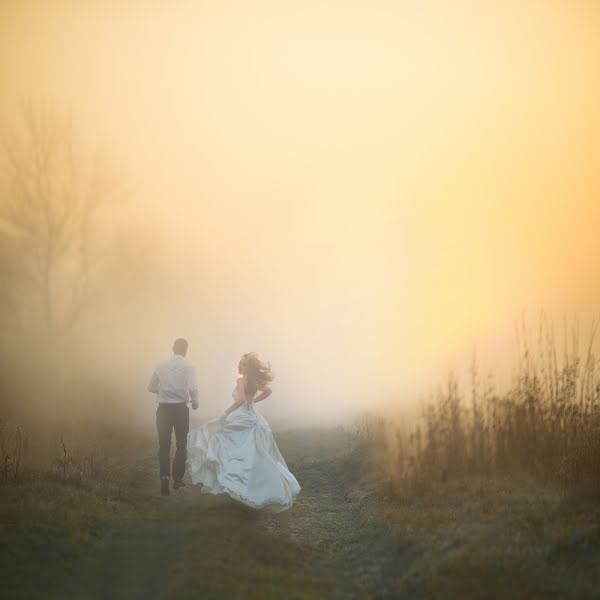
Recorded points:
361,192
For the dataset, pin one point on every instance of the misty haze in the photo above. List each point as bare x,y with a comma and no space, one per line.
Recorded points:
299,300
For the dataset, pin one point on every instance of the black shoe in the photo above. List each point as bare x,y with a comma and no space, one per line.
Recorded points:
178,484
164,487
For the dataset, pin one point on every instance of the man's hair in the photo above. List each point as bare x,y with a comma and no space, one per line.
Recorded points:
180,346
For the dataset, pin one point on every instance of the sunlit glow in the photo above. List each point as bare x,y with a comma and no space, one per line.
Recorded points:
359,191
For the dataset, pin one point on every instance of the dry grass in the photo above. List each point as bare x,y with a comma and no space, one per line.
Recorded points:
495,494
546,426
13,451
68,491
69,533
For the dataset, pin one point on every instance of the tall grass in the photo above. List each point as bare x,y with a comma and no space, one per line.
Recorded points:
13,451
75,461
546,425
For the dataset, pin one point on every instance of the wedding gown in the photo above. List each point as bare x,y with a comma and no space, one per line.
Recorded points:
238,456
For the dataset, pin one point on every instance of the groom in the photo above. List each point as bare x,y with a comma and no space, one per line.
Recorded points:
174,382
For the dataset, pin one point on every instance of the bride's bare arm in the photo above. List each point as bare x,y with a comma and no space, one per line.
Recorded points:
265,392
241,394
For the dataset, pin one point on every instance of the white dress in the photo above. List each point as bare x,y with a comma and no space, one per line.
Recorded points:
238,456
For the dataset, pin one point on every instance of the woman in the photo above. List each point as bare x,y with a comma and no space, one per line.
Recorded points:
236,454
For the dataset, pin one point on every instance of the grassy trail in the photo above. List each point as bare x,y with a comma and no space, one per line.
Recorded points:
342,539
193,545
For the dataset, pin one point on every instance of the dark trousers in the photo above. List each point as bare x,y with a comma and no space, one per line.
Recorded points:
169,417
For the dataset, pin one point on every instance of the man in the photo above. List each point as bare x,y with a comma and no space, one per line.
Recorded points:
174,382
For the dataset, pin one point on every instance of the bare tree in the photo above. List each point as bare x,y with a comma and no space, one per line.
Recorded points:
49,199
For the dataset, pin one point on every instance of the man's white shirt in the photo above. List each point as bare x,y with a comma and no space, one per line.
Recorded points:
174,381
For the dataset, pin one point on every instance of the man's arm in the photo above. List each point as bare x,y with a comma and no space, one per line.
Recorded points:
193,388
154,385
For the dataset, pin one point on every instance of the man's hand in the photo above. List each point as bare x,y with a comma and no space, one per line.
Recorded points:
194,404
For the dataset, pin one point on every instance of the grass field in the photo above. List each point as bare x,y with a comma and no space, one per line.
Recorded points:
109,534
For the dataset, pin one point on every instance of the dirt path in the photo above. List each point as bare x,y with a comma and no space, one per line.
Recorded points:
122,540
193,545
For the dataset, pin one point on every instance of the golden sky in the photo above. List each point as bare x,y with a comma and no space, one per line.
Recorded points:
361,191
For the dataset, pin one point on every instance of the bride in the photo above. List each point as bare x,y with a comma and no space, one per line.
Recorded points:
236,454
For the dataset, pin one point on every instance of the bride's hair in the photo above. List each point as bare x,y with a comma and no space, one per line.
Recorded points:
257,371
